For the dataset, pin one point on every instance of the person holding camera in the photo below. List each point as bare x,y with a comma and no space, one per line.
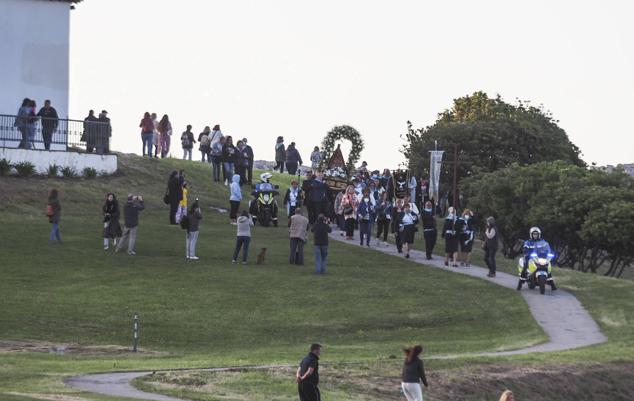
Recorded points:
131,220
321,229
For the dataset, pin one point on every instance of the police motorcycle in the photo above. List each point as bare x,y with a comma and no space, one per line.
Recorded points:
535,267
263,206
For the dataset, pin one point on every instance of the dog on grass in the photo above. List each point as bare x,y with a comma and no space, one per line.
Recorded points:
261,256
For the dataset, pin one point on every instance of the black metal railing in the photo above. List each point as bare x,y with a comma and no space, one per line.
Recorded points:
32,132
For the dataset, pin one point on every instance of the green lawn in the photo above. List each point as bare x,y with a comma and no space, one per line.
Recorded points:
211,313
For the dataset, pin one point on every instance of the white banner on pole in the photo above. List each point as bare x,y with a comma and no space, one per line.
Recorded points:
435,163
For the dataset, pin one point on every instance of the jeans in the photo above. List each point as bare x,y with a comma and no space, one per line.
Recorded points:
365,230
321,258
228,170
128,233
296,257
186,152
55,235
165,144
147,139
215,168
190,243
489,259
31,136
242,242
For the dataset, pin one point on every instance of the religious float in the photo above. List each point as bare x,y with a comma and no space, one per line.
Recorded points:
337,171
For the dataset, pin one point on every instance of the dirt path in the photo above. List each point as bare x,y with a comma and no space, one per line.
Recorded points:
563,318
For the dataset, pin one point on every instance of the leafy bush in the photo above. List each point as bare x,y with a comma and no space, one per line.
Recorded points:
25,169
90,172
5,167
52,171
69,172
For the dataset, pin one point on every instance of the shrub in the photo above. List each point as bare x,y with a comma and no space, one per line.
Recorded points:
69,172
52,171
90,172
5,167
25,169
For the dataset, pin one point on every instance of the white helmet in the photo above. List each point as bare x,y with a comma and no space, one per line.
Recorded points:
265,177
535,230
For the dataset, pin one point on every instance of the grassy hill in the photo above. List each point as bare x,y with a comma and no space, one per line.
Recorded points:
211,313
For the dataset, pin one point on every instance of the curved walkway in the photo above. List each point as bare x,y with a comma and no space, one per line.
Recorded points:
563,318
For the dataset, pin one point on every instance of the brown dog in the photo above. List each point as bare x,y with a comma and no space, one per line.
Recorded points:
261,256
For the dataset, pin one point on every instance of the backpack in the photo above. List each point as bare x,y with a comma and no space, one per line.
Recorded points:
185,141
204,140
185,222
50,212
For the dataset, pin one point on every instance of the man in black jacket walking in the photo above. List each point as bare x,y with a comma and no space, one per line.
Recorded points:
50,120
307,375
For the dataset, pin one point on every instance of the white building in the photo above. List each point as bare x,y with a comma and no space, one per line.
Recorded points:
34,45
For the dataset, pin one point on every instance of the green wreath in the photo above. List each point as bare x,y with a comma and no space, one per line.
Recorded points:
336,134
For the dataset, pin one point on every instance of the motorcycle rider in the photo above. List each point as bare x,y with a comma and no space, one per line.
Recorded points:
263,186
535,245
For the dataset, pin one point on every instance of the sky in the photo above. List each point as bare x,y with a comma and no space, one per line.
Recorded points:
298,68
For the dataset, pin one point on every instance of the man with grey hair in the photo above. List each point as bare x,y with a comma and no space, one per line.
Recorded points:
298,233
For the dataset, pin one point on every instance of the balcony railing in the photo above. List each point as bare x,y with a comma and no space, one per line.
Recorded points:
31,132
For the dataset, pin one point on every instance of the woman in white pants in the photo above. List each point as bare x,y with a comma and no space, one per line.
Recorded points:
413,374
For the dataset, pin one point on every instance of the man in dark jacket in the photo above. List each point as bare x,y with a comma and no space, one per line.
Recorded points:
307,375
131,220
90,128
293,159
50,120
318,197
174,195
104,132
429,229
248,152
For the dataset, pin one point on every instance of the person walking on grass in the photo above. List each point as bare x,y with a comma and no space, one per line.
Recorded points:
243,237
131,220
293,159
315,159
293,199
235,197
111,226
194,217
307,375
298,233
174,195
349,205
187,142
413,374
54,214
490,246
407,222
383,218
429,229
321,229
450,235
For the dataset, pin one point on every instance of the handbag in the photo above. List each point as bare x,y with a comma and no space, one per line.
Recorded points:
348,210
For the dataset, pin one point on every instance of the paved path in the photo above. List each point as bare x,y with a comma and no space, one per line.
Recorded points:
563,318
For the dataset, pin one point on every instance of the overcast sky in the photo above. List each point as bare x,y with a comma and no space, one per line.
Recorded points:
297,68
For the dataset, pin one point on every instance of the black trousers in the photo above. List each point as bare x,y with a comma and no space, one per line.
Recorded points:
314,209
279,166
489,259
308,392
233,213
296,256
292,167
430,241
382,227
47,135
250,172
350,227
173,209
399,241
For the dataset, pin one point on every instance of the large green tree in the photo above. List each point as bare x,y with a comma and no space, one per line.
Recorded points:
491,134
586,215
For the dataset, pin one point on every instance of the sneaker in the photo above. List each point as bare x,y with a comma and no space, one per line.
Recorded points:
407,256
491,275
131,253
194,257
186,256
233,261
226,182
105,248
368,244
244,262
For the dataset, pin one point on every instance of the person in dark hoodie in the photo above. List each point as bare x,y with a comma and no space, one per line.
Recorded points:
194,217
429,229
293,159
413,374
131,220
111,226
174,195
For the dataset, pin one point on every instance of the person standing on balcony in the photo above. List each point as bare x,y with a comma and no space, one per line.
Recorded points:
89,131
50,120
104,130
30,126
147,133
21,122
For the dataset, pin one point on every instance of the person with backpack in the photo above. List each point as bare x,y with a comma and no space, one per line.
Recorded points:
54,214
187,141
216,159
191,223
205,144
131,220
